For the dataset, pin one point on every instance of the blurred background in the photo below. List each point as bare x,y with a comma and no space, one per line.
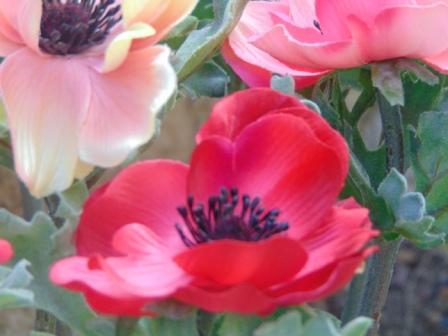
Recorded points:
418,300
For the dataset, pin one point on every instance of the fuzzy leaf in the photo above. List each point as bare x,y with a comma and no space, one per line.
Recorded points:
202,44
35,242
209,81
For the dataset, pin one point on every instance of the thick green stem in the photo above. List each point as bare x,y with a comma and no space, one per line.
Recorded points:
378,276
351,307
368,292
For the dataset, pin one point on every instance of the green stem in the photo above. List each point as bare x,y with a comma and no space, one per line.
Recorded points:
378,276
368,292
351,306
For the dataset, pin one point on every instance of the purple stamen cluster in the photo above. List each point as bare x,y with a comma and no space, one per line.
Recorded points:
73,26
222,220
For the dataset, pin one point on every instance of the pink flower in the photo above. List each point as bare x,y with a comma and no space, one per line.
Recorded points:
254,65
82,82
6,251
339,34
250,225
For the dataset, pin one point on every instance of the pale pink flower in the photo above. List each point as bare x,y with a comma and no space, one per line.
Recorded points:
339,34
82,82
256,66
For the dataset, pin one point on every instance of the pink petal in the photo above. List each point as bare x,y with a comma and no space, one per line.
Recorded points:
28,22
147,193
438,62
239,52
103,294
323,55
45,100
124,106
332,15
147,268
411,31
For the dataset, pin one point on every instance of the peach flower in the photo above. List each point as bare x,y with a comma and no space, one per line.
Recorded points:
82,82
304,39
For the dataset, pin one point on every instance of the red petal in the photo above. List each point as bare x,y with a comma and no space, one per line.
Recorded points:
242,299
235,112
281,160
230,262
146,193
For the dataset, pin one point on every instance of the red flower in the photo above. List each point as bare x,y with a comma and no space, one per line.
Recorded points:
252,224
6,251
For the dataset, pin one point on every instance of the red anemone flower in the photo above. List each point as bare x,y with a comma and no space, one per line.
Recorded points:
6,251
253,222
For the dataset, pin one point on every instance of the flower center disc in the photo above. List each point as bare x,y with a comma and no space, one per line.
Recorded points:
222,219
73,26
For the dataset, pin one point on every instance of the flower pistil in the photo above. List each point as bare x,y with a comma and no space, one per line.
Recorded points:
73,26
222,220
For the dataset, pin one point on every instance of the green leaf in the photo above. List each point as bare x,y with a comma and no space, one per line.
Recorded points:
289,324
386,78
34,241
410,211
321,325
202,44
392,188
430,164
357,327
209,81
238,325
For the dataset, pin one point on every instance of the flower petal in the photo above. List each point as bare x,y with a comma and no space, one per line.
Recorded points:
28,24
398,32
45,100
119,47
281,160
102,293
160,14
323,55
243,299
6,251
147,269
146,193
124,106
230,262
252,64
235,112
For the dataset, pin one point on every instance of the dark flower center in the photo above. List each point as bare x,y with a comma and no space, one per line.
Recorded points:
73,26
222,220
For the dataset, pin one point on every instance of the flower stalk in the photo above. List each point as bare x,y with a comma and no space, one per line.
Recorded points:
368,292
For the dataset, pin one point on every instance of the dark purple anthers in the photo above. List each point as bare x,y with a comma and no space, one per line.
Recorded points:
222,220
73,26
